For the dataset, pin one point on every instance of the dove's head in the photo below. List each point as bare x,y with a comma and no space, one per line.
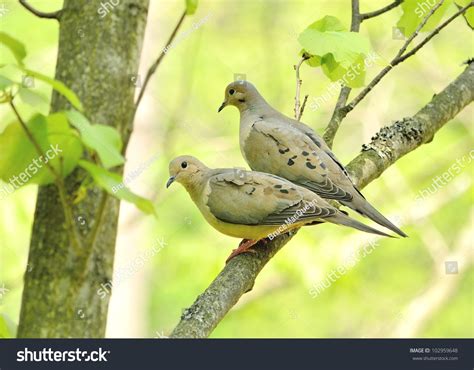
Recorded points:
240,94
186,170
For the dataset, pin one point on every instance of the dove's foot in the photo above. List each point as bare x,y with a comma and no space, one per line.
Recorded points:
244,247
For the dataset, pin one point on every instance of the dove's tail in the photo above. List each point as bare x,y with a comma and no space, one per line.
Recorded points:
360,204
341,219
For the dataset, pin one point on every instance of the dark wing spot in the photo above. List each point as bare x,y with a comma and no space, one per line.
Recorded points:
305,153
284,191
294,157
251,191
310,166
283,151
242,100
291,162
278,186
323,166
317,142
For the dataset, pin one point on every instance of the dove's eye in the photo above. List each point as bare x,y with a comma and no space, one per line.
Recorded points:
231,92
184,164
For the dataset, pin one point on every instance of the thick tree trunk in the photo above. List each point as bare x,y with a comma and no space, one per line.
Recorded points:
97,57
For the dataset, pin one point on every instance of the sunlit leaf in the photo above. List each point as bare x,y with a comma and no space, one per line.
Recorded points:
20,162
105,140
469,14
191,6
353,76
15,46
327,36
113,184
341,54
31,98
414,11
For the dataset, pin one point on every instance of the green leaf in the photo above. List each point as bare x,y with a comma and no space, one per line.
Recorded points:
327,36
414,11
59,87
191,6
353,76
15,46
113,184
20,162
31,98
340,54
469,14
105,140
5,82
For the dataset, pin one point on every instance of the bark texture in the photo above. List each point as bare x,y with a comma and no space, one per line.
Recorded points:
386,147
98,56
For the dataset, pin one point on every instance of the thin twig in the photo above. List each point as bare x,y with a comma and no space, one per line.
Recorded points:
48,15
155,65
303,106
342,112
298,87
73,234
376,13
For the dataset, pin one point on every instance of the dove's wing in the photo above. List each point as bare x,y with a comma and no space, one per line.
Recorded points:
253,198
275,147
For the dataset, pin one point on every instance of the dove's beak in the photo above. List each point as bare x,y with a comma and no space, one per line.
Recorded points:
170,181
222,106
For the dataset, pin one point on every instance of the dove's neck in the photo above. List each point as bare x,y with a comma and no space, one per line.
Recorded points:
196,184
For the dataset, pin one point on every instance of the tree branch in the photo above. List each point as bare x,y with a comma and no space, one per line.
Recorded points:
389,145
52,15
376,13
341,112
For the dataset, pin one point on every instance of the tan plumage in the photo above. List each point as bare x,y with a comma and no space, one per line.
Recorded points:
253,205
271,142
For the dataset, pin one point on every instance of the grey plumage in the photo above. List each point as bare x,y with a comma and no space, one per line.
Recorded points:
271,142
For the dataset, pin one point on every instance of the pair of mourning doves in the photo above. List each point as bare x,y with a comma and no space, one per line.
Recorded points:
253,205
273,143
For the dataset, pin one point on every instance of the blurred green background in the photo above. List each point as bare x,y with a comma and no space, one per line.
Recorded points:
401,289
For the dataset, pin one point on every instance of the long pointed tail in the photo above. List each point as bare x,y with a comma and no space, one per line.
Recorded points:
362,206
342,219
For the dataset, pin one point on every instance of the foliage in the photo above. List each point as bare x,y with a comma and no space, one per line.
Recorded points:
24,148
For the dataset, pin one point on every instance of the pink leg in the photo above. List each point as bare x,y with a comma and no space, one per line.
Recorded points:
244,247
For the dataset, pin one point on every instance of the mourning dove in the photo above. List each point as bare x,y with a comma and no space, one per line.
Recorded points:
253,205
271,142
